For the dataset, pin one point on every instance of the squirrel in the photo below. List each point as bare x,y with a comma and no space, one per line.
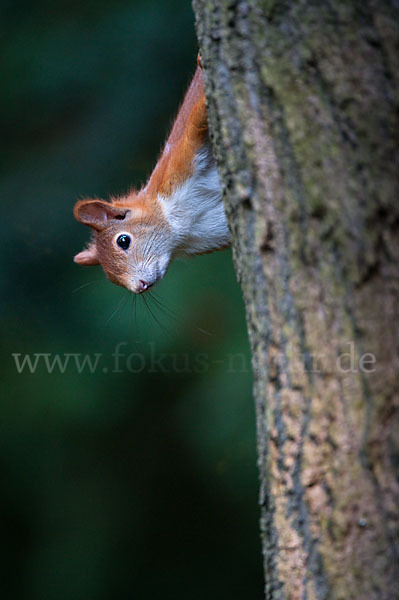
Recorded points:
178,212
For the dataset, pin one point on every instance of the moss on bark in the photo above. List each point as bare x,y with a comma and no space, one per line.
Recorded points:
301,100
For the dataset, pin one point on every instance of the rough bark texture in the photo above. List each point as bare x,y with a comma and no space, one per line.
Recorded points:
301,99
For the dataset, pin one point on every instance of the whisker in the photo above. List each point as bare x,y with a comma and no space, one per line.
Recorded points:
122,308
153,315
165,309
135,310
133,316
173,314
115,311
203,330
85,285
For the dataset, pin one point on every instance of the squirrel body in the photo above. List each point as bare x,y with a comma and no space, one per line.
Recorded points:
178,212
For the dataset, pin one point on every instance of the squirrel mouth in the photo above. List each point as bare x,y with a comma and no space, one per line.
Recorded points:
143,286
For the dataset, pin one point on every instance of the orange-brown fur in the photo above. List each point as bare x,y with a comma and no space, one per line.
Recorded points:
175,163
140,214
188,134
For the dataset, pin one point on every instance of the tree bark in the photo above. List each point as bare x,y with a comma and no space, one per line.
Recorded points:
301,102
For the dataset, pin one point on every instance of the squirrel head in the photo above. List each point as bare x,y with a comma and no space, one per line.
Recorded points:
131,240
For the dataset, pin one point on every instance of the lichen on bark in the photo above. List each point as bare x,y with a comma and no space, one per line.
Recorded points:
301,101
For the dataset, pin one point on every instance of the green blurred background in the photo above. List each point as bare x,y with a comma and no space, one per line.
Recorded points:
114,485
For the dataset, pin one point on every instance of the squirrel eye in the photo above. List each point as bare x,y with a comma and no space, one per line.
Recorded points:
123,241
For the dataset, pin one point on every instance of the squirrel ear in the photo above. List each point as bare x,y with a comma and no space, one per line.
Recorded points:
97,213
87,257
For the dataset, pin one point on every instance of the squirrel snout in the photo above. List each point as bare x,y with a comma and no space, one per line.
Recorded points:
143,285
146,276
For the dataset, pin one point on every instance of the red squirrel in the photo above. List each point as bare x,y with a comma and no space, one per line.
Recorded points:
178,212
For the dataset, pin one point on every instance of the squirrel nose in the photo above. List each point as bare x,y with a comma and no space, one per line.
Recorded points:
143,285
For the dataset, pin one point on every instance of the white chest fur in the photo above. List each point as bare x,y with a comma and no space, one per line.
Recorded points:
195,209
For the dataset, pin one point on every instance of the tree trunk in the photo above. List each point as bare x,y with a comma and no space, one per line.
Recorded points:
301,101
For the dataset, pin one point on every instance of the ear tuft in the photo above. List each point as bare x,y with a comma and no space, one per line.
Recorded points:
98,213
87,257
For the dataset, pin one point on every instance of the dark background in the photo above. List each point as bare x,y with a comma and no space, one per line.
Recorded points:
113,485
